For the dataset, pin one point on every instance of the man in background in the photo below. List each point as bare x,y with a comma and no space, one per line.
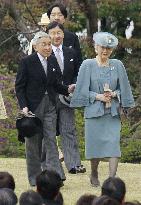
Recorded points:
58,12
69,66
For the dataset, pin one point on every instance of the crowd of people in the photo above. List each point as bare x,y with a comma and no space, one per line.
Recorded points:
51,82
48,192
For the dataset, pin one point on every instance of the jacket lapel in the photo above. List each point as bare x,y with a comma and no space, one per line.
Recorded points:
63,56
50,68
38,66
66,59
53,53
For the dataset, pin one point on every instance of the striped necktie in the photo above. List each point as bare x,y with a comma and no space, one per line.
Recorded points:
59,60
44,64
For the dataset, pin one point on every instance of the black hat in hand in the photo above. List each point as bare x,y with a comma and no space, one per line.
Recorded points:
28,125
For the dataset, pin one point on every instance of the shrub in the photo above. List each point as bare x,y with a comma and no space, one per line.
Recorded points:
9,145
131,151
80,131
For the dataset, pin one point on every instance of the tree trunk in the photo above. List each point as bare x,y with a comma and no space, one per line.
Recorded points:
3,11
92,17
90,9
10,7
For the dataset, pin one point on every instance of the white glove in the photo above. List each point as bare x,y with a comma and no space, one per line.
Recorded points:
25,110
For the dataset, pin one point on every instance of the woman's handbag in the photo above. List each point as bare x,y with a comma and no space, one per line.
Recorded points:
3,114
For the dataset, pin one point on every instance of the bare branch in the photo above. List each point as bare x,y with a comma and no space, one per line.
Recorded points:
14,35
29,11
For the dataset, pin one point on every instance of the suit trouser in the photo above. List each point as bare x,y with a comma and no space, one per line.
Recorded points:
47,113
69,144
68,135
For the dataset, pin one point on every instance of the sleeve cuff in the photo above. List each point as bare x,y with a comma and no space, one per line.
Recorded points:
92,96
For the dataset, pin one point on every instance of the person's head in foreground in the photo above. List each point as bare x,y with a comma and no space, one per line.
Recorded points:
7,180
105,200
48,184
8,197
115,188
86,199
30,197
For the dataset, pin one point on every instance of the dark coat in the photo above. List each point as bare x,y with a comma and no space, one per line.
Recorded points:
32,82
70,72
71,41
71,66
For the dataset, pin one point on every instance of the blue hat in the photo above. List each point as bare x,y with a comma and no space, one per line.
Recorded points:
105,39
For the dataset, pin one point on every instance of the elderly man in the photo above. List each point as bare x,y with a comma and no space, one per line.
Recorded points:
38,79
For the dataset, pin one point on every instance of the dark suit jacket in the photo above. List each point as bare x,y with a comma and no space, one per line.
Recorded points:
70,72
32,82
71,41
71,66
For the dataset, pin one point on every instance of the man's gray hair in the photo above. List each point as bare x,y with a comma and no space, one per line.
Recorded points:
38,36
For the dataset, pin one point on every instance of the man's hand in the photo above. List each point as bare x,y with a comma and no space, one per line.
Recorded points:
71,88
25,110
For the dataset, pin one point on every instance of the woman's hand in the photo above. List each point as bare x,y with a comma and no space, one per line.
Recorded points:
103,98
110,94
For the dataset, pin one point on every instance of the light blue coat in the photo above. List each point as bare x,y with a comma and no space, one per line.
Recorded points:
87,87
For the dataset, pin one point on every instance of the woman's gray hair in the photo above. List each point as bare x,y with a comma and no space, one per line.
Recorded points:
38,36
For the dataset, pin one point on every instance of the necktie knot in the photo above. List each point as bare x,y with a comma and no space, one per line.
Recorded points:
58,50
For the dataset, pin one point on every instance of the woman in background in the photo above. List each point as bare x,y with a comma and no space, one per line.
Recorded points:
102,88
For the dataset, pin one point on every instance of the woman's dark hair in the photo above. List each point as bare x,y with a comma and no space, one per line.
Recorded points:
59,199
54,24
30,198
48,184
86,199
60,6
132,203
7,181
105,200
8,197
115,188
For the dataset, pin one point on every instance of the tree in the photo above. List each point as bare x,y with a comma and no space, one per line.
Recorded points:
89,7
9,6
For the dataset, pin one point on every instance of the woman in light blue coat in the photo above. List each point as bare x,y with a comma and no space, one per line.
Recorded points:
102,88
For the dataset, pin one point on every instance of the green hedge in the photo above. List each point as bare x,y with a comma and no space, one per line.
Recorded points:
131,151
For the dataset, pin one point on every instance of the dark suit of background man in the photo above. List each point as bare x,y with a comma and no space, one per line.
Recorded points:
38,80
58,12
69,66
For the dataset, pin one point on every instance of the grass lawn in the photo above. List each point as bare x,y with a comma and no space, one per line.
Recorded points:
76,185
